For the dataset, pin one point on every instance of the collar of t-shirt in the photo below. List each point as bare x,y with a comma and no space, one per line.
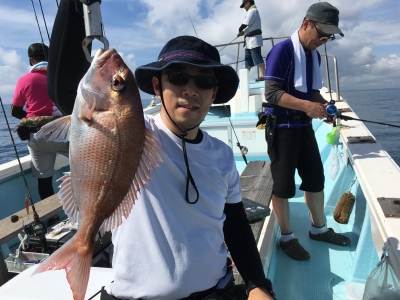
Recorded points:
197,139
253,6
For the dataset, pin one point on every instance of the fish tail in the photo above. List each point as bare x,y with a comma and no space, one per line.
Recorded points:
76,264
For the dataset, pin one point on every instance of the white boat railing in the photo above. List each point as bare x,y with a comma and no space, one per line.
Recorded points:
273,40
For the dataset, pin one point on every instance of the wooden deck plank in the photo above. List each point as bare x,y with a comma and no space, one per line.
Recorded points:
256,183
45,209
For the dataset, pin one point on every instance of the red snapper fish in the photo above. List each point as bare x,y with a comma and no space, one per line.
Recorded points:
111,157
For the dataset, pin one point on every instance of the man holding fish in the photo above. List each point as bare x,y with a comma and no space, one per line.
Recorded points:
183,183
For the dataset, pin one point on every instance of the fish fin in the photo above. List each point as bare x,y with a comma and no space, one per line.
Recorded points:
76,264
67,199
57,130
148,162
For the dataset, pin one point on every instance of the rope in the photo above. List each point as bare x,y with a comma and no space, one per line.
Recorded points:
44,20
182,135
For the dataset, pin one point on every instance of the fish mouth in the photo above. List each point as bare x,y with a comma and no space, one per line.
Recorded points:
101,56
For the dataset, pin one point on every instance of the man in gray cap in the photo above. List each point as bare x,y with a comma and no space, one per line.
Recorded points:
292,83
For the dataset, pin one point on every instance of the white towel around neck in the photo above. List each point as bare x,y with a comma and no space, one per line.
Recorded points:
300,82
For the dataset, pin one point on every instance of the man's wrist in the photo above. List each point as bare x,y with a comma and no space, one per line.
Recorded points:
264,283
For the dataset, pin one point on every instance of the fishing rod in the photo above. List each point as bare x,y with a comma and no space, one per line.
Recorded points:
228,43
192,23
243,149
38,228
19,162
348,118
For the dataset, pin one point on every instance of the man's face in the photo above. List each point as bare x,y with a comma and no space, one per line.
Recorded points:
314,36
247,5
187,104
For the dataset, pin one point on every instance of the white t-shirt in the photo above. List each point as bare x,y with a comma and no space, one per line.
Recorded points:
253,21
168,248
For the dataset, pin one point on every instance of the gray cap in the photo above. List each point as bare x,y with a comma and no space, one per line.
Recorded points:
327,17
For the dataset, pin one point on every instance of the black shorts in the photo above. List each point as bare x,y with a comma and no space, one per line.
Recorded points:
295,148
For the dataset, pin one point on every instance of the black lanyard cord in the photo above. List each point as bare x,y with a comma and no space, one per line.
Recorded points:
182,135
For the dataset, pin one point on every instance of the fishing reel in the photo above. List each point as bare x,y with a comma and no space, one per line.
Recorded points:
331,111
37,228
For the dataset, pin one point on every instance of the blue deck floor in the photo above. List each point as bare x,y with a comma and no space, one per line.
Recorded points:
331,267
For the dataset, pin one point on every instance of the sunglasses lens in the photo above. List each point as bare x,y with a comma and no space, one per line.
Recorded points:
327,39
178,78
182,78
205,82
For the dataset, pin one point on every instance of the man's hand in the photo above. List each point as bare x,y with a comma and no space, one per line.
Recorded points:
316,110
259,294
240,33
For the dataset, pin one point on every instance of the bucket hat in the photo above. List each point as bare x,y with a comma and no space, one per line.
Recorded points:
190,50
38,49
327,17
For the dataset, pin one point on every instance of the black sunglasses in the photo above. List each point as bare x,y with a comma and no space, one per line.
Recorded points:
322,36
201,81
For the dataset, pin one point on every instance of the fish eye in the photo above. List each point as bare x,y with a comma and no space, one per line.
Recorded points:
117,83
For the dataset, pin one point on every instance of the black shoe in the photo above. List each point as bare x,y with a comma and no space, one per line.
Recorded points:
331,237
294,250
260,79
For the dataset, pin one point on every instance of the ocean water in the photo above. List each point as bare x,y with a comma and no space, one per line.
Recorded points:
378,105
7,150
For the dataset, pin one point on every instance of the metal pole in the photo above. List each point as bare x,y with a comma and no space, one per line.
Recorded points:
237,58
337,79
327,74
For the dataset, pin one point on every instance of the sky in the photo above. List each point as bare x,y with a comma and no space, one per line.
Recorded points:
368,55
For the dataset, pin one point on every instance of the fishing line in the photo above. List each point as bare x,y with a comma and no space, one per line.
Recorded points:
44,20
35,215
40,32
192,22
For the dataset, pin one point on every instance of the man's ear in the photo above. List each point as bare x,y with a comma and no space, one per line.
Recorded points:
156,85
214,95
306,23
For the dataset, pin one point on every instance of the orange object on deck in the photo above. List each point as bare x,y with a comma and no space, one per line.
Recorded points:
27,206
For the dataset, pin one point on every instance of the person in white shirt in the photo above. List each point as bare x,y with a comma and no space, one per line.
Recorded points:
172,245
251,29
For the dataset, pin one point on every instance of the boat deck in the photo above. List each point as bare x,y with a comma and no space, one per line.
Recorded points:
332,271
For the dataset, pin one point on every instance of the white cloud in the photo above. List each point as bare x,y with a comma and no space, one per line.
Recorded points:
368,54
11,68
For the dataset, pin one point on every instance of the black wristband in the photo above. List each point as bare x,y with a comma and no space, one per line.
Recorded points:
264,283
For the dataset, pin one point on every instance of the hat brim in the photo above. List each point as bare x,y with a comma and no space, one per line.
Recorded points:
330,29
228,80
241,6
